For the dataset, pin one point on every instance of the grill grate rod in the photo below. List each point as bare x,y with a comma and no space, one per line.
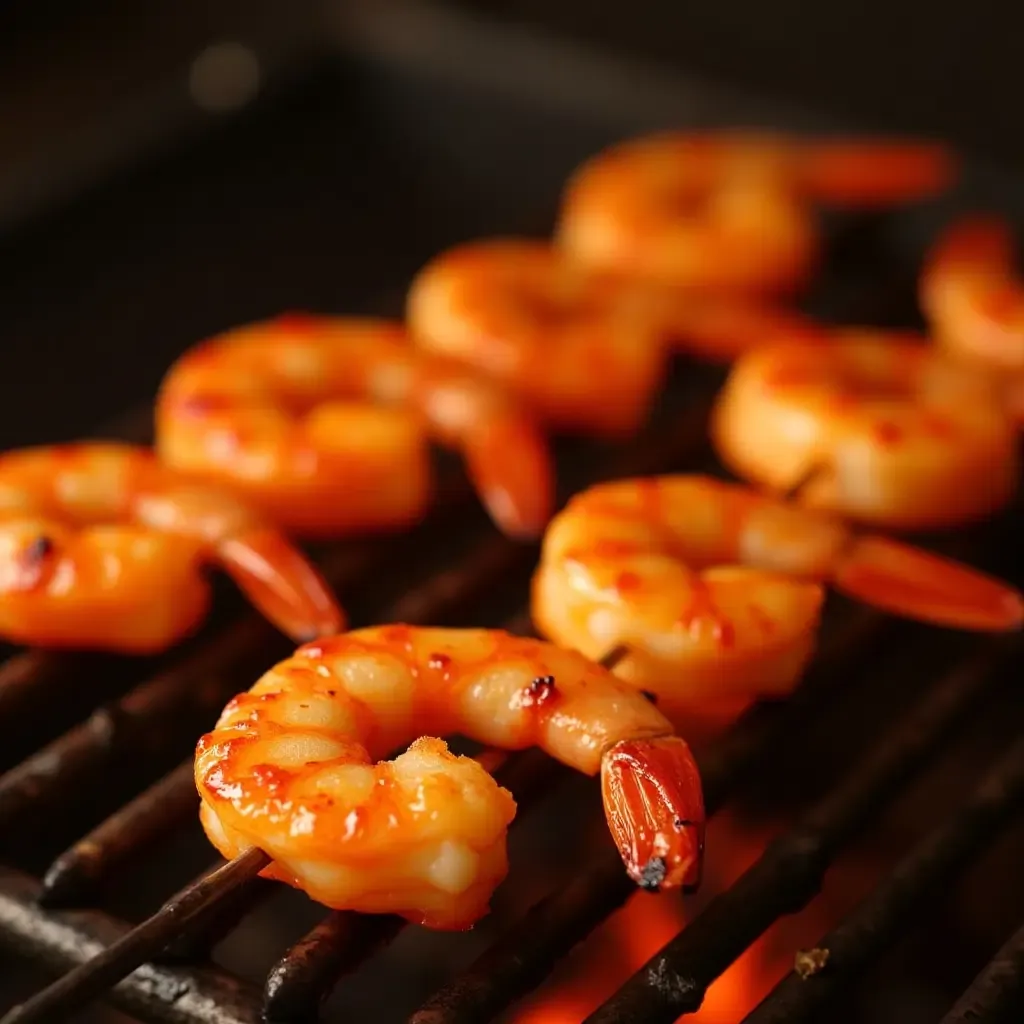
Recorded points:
789,872
91,979
68,938
996,990
75,874
944,853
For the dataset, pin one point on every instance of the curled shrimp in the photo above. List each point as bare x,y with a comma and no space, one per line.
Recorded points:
730,210
716,590
322,423
584,353
879,428
101,547
291,767
973,298
587,351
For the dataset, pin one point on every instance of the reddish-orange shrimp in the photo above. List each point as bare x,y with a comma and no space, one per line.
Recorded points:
730,210
586,350
322,423
974,301
877,428
102,547
716,590
585,353
290,768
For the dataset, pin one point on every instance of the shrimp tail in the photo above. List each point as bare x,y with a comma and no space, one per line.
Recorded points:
281,583
654,804
905,580
510,464
863,175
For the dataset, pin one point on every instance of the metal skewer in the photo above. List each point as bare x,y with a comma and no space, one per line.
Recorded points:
91,979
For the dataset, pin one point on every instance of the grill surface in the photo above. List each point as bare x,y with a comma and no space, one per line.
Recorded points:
329,198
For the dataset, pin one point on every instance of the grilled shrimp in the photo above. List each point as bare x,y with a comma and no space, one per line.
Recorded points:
716,590
101,547
292,768
974,300
880,429
728,210
587,351
322,423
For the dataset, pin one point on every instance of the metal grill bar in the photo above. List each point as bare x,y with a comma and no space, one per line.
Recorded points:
88,980
789,872
75,874
171,995
995,990
878,920
520,960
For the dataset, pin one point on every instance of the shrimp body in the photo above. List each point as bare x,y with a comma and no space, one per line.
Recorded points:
586,350
729,211
717,590
882,430
292,767
583,352
323,423
974,301
102,547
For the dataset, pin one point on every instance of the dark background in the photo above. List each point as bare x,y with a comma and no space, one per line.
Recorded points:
946,68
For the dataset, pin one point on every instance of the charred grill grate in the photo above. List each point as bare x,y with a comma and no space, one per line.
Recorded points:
51,914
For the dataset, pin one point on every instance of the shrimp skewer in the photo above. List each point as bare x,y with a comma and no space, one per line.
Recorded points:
717,590
884,429
322,423
729,210
974,300
587,351
290,768
101,547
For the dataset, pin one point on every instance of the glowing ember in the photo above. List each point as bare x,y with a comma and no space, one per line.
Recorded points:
646,923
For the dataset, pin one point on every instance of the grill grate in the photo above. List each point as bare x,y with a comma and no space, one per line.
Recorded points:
938,858
55,921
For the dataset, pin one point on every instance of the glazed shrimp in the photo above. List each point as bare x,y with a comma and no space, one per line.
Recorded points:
101,547
292,768
880,429
586,351
322,424
716,590
730,211
974,301
586,354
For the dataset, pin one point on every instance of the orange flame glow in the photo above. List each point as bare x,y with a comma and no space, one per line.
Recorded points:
646,923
